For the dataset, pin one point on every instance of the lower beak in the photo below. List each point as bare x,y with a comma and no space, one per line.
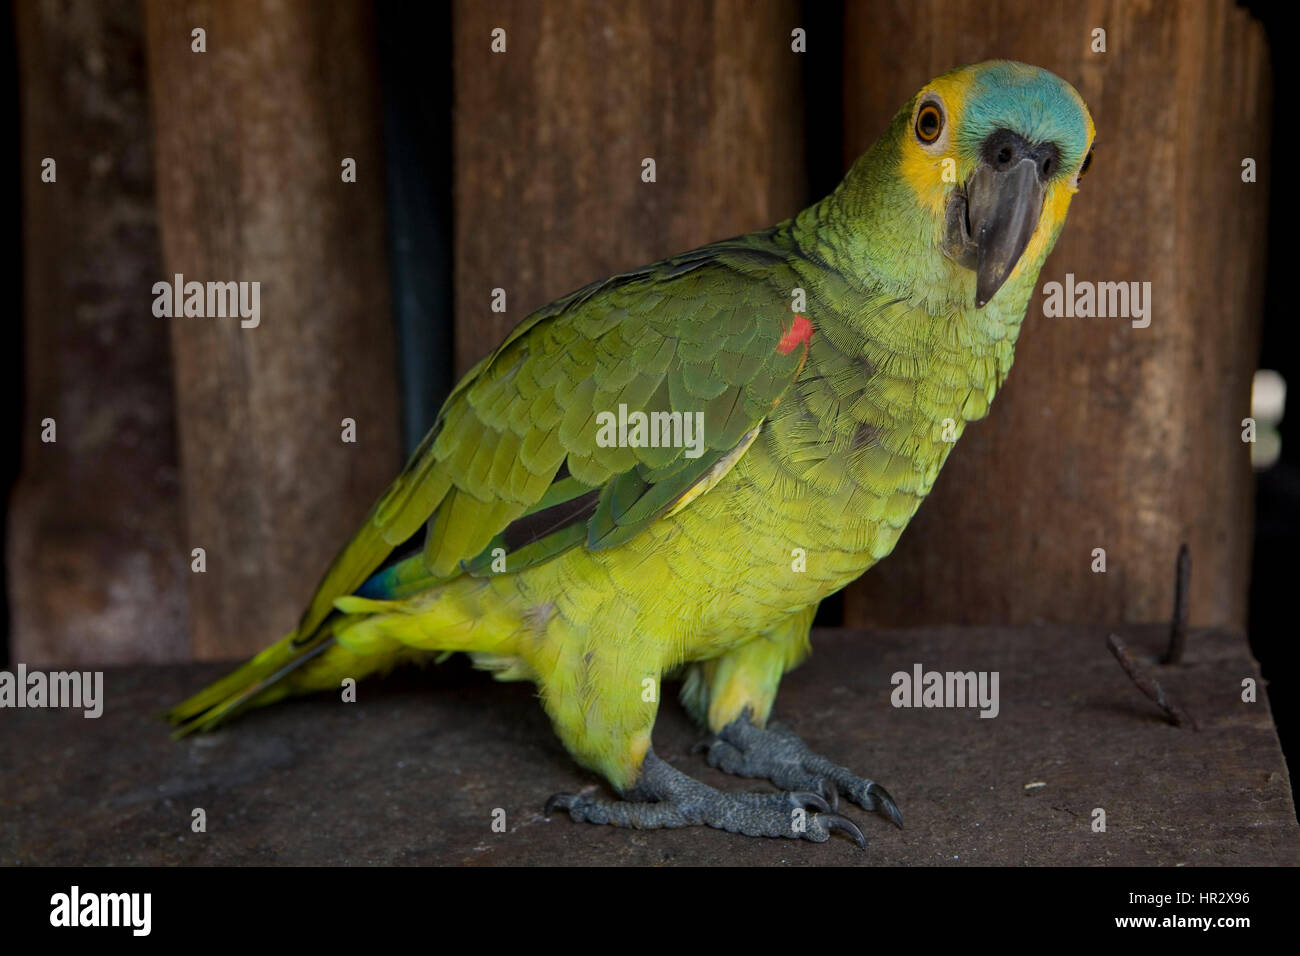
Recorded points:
991,223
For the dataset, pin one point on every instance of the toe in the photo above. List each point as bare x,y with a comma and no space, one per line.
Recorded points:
830,791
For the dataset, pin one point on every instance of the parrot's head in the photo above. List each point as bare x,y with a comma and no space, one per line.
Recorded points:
980,167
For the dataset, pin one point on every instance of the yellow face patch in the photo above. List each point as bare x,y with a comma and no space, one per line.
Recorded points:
1055,205
922,167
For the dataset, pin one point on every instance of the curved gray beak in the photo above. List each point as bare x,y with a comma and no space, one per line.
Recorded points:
1004,209
990,222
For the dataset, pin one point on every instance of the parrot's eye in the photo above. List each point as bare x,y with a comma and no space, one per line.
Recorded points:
929,123
1087,161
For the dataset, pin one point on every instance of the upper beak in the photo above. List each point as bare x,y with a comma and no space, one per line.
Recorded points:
991,221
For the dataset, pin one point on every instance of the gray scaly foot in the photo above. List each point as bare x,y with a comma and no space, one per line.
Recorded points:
667,798
777,754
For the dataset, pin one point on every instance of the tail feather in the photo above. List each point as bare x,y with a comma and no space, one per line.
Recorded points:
361,636
254,683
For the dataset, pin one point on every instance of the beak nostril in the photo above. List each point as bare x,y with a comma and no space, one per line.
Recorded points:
1004,155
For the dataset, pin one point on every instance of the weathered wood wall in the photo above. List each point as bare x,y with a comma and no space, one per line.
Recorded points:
1105,436
250,137
94,557
551,134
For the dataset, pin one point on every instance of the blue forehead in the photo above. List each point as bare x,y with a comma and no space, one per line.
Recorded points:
1038,105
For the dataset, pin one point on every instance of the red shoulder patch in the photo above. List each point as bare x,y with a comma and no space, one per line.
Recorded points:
800,332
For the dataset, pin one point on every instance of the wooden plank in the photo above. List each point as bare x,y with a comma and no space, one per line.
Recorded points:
551,134
250,137
1068,718
1105,436
96,572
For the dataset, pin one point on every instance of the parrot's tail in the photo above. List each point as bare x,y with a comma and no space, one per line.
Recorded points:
360,637
258,682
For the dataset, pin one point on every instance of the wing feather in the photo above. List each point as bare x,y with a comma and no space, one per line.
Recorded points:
513,460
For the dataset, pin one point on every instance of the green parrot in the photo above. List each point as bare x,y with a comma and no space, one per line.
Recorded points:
622,491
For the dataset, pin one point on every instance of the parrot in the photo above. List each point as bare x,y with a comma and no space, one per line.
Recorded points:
612,497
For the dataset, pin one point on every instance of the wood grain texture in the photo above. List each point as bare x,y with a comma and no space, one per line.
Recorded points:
551,134
1070,720
1105,435
249,140
95,566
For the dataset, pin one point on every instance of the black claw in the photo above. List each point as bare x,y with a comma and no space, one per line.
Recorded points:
560,800
831,791
887,804
836,822
702,745
807,799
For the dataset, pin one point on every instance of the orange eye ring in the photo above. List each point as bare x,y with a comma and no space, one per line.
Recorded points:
929,123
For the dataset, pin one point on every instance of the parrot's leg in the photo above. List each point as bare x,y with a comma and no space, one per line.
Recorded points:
610,733
733,696
666,798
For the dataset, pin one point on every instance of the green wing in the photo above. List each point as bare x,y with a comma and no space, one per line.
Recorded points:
513,461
